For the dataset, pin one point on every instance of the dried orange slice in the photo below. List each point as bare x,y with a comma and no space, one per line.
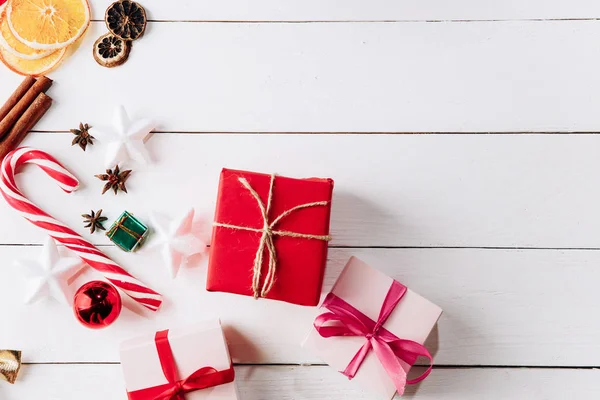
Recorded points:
11,44
48,24
32,67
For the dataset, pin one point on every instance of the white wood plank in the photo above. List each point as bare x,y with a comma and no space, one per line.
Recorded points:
391,190
341,77
355,10
100,382
501,307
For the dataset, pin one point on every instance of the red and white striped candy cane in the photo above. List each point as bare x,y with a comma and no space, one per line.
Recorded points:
59,231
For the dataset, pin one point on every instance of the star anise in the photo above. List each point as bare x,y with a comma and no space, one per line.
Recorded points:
115,180
94,220
82,136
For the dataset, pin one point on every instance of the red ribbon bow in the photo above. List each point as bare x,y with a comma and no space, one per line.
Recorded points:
390,349
176,389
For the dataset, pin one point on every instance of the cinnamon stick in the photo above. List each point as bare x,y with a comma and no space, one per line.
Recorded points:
30,117
40,86
16,96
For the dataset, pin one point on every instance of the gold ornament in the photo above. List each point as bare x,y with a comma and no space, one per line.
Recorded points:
10,364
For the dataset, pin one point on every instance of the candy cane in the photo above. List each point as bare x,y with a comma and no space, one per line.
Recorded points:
62,233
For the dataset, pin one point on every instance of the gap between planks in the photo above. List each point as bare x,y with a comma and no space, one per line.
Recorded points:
379,247
374,21
521,133
436,366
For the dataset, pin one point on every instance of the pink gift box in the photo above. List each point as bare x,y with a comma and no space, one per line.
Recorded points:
365,288
193,348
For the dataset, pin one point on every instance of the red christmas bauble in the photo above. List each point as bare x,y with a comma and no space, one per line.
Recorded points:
97,304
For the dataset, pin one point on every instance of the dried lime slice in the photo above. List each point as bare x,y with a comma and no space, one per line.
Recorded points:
111,51
126,19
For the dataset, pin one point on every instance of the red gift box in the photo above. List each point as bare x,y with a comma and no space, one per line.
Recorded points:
280,257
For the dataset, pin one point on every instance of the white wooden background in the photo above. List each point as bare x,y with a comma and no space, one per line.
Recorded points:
498,221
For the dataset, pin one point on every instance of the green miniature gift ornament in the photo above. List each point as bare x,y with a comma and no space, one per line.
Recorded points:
127,232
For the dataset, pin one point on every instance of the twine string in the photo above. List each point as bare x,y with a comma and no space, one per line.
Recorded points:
268,232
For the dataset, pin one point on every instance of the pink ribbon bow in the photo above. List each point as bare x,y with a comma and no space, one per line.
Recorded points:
390,349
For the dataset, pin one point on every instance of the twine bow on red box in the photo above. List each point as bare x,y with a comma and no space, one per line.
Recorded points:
268,232
176,389
348,321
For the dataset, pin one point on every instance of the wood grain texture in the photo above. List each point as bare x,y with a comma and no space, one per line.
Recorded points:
101,382
501,307
448,215
356,10
391,190
341,77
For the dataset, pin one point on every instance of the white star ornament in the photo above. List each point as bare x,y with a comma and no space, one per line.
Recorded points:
125,141
48,275
175,239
